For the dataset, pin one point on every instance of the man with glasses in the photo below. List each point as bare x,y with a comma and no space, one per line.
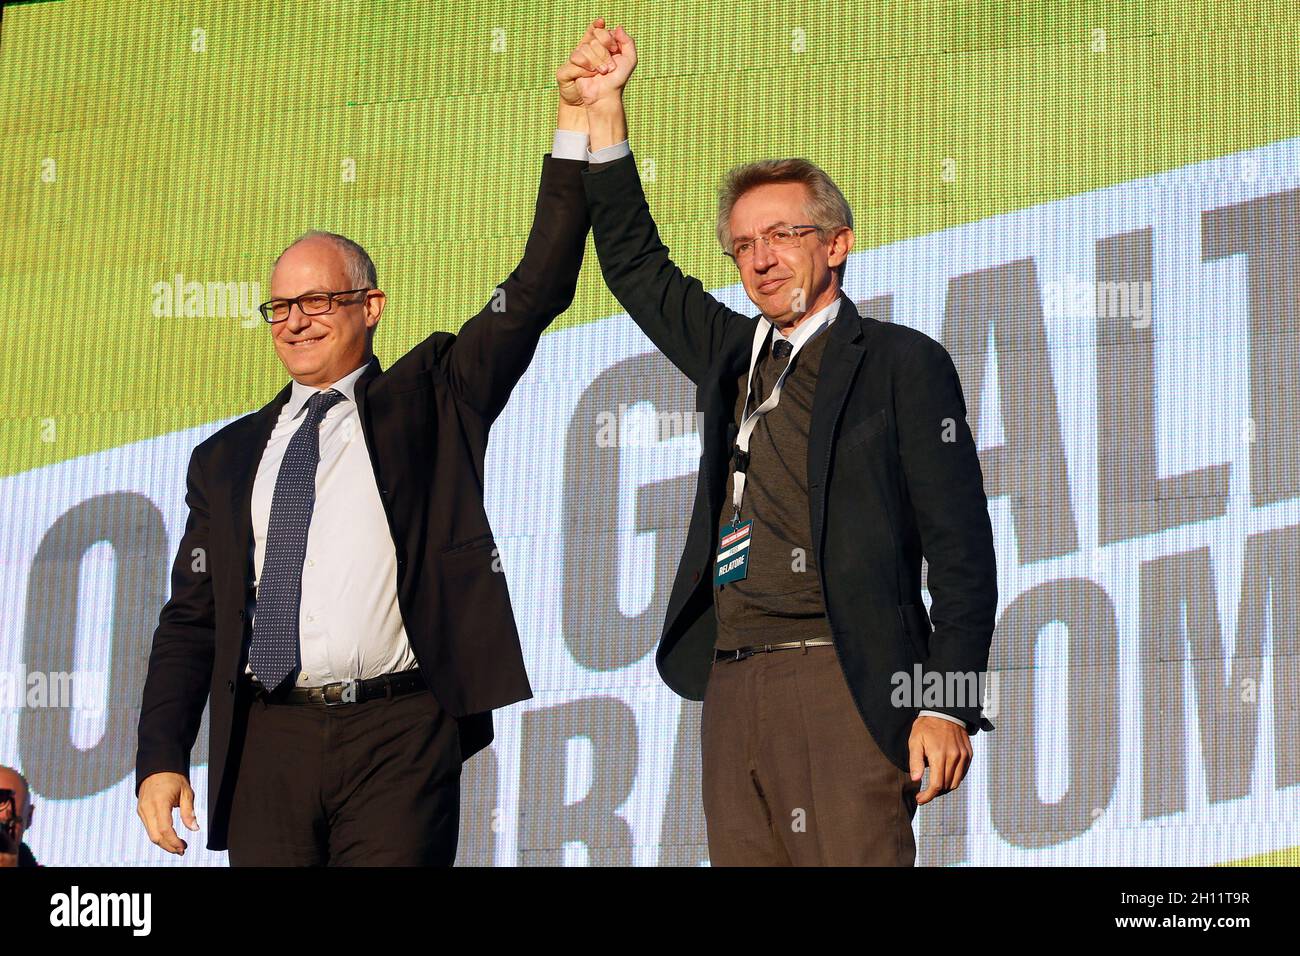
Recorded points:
835,454
337,595
16,812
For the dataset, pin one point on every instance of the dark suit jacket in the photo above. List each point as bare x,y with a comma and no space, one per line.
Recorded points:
425,422
884,487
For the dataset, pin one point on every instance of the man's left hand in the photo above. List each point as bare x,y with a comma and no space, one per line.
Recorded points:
945,747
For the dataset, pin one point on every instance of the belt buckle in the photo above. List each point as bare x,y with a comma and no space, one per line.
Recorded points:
343,685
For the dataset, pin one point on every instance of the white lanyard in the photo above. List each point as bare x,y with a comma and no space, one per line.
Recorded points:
801,336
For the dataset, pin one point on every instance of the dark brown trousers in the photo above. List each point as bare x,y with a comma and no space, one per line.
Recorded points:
371,784
791,776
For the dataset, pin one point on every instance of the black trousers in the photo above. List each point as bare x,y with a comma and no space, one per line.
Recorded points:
375,783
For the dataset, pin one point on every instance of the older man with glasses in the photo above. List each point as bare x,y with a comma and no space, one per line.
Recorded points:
835,455
337,596
16,812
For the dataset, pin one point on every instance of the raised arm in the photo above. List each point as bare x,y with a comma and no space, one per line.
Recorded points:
684,321
493,348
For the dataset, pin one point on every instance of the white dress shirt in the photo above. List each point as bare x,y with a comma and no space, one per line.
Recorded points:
349,625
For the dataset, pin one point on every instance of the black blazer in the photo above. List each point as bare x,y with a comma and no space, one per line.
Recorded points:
425,422
884,487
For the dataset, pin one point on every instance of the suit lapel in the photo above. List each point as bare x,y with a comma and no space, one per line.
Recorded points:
719,414
840,362
373,368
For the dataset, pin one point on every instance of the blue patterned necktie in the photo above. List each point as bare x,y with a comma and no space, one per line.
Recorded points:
273,654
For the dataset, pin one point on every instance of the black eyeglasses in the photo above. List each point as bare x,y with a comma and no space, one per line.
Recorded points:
312,303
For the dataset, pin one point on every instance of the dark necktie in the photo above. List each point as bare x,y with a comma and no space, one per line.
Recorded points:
767,370
273,654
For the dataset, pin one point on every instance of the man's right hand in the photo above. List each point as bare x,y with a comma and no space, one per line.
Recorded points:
600,65
567,76
160,793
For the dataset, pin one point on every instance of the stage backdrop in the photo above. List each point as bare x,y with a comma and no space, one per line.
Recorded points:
1094,206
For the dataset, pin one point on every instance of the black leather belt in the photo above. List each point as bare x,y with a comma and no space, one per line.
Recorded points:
742,652
346,691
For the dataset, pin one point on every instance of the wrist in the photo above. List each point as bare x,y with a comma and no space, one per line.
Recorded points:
607,106
571,117
606,129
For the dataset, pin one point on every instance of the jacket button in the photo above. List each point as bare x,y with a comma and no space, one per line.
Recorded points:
230,686
241,613
695,576
383,492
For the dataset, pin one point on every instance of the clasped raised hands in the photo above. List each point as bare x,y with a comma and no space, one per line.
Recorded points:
598,68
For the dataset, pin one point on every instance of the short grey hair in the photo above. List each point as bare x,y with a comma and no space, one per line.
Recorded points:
827,208
360,267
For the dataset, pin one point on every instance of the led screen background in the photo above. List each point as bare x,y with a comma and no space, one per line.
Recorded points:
1095,206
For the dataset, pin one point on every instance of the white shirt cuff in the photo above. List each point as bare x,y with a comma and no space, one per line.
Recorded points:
570,144
935,713
608,154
